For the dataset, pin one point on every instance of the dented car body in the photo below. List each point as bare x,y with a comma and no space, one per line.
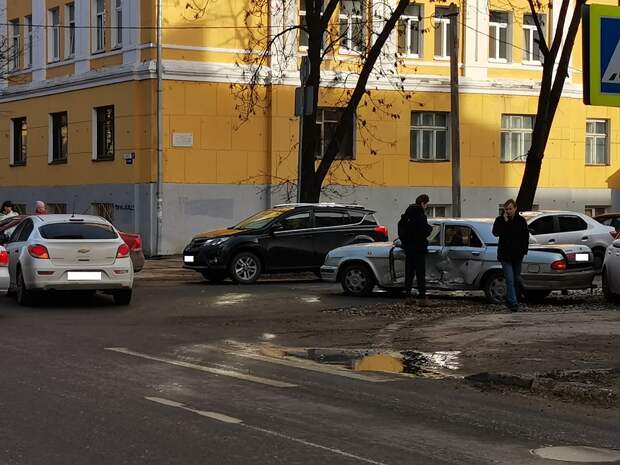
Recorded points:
462,255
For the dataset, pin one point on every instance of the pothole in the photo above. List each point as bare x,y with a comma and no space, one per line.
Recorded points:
581,454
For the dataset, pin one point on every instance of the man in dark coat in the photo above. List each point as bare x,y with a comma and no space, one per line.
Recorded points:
511,228
413,231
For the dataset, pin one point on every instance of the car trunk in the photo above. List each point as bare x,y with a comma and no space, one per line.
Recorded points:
574,254
82,252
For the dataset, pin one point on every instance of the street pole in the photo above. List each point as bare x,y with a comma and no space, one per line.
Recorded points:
300,109
455,135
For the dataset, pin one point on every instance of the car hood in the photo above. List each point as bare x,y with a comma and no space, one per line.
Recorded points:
219,233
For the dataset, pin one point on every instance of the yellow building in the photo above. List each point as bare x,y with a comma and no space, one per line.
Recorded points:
79,114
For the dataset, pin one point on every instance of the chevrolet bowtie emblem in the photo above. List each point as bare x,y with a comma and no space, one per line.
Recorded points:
84,250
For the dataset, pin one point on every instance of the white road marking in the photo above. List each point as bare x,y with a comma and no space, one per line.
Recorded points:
215,371
236,421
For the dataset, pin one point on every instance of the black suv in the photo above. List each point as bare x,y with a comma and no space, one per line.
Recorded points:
285,238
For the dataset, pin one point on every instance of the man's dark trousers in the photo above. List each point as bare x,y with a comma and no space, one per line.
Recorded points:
415,263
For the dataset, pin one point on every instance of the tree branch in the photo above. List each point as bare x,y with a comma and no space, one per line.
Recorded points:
559,32
541,32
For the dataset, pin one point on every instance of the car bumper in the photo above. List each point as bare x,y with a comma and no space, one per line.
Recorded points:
202,260
112,278
4,280
329,273
568,280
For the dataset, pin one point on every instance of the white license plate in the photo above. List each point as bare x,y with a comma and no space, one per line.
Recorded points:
188,259
582,257
84,276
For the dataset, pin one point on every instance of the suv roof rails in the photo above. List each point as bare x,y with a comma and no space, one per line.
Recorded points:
321,204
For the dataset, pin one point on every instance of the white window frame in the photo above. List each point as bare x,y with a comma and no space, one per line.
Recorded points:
498,42
529,44
98,27
594,136
442,27
117,23
28,46
69,31
53,35
520,131
346,43
15,45
431,211
434,129
409,21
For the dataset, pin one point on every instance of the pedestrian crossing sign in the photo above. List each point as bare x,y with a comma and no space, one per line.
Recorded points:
601,55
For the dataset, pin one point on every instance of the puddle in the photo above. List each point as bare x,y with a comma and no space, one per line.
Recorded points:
380,360
232,299
580,454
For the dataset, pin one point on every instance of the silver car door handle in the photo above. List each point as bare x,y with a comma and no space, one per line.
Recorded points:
476,254
551,241
432,251
584,238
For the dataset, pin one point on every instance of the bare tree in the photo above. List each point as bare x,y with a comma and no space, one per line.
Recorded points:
556,60
362,28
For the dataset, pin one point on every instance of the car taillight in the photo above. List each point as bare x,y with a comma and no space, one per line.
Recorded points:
559,265
38,251
123,251
4,258
381,230
137,244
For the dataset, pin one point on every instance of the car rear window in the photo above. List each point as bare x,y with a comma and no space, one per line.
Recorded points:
77,231
361,217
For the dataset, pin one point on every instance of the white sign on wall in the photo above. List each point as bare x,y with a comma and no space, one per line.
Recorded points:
182,139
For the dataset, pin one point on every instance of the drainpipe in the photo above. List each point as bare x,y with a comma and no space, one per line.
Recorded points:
160,140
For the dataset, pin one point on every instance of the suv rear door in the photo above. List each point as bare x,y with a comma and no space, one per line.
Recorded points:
331,231
290,245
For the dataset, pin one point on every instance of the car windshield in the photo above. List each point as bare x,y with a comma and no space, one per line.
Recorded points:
260,220
77,231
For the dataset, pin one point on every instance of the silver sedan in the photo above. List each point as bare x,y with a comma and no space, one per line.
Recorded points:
4,271
611,273
462,255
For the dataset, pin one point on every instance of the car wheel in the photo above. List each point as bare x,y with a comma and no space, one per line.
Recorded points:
536,296
123,297
607,292
25,298
245,268
599,258
495,288
357,280
214,277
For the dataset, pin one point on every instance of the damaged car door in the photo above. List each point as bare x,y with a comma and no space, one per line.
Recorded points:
461,257
433,275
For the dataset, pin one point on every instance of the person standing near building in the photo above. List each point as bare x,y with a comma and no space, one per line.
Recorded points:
514,237
40,208
413,231
7,210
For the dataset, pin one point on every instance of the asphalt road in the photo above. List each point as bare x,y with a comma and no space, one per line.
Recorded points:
169,380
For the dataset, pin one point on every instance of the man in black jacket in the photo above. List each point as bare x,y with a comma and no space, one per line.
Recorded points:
413,230
511,228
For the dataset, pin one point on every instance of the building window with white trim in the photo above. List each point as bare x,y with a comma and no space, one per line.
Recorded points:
19,141
352,25
117,23
499,31
29,43
597,142
14,51
99,29
327,120
441,22
437,211
516,137
303,34
410,32
596,210
53,35
104,133
59,137
429,136
531,39
69,30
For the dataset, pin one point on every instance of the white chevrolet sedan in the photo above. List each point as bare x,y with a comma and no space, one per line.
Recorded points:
66,253
4,271
611,272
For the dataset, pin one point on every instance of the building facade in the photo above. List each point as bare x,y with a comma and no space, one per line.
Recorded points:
79,114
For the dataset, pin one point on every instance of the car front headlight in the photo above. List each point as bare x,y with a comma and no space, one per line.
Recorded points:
215,242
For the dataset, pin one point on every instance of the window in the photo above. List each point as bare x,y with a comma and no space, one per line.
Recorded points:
352,19
435,236
326,219
437,211
461,236
498,36
410,32
596,210
29,45
596,142
569,223
542,225
104,134
19,136
531,40
303,35
117,23
53,35
70,30
296,221
57,208
99,30
104,210
59,137
442,31
429,136
14,52
516,137
77,231
327,120
26,231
